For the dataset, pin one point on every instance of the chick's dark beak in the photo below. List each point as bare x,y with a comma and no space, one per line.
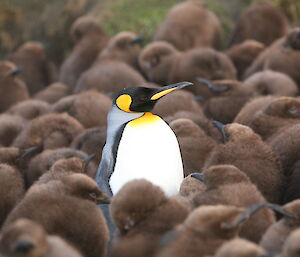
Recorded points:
220,126
168,89
102,200
137,40
211,86
16,72
198,176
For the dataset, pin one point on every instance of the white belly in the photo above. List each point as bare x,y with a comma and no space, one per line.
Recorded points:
149,151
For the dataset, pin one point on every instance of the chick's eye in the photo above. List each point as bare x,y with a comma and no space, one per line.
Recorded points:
92,195
293,111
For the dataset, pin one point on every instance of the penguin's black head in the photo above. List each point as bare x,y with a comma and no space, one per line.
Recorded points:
143,99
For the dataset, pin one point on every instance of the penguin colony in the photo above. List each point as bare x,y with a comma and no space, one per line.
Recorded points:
216,173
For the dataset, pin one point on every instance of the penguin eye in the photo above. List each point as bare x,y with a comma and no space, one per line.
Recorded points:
294,111
92,195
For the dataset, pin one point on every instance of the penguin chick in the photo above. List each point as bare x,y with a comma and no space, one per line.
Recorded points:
270,82
245,149
38,71
203,231
272,24
73,196
178,101
281,113
62,168
52,93
226,184
10,127
123,47
249,110
90,39
29,109
291,245
274,238
286,145
11,190
195,144
27,238
243,54
44,161
229,96
14,89
49,131
90,108
141,207
197,27
239,247
91,141
156,61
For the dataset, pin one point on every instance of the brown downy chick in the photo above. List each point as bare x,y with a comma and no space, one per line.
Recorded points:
226,184
249,110
53,93
11,190
14,89
245,149
65,167
239,247
276,235
204,63
49,131
90,108
272,24
27,238
209,227
71,212
270,82
29,109
282,56
195,144
43,162
229,96
280,114
179,101
91,141
243,54
111,72
197,27
10,127
156,61
38,71
291,247
123,47
141,207
89,39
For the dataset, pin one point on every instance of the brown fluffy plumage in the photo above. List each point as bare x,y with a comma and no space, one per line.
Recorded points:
53,93
27,238
90,40
291,245
49,131
71,212
245,149
272,24
14,89
38,71
11,190
197,27
29,109
195,144
90,108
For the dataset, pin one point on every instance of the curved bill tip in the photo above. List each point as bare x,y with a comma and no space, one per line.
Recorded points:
198,176
137,40
16,71
220,126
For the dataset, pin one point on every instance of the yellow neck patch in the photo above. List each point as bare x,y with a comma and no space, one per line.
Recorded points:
124,102
146,119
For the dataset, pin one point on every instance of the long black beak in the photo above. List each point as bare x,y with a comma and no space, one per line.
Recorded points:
29,151
198,176
137,40
168,89
220,126
16,72
249,211
211,86
103,201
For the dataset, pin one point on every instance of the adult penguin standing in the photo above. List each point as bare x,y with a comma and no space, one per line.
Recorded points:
139,144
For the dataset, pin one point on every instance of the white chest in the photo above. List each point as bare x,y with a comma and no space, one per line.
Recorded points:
148,151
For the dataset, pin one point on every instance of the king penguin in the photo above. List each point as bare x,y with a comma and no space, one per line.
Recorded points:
140,144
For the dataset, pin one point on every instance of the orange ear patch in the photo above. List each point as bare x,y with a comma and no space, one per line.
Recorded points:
124,102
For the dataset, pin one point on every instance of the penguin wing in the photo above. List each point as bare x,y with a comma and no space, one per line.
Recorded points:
108,161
